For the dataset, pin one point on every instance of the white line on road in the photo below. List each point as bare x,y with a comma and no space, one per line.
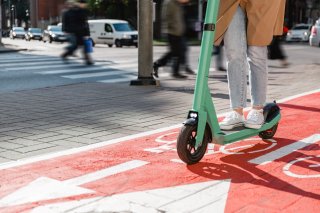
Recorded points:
54,64
105,172
96,74
134,66
124,78
283,151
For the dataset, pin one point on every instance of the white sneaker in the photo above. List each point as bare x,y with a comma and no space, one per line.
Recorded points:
232,120
255,119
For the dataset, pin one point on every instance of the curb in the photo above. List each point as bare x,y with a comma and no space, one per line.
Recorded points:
11,50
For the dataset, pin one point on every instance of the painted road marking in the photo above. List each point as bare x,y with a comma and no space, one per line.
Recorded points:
125,78
45,188
230,151
96,74
195,198
283,151
286,168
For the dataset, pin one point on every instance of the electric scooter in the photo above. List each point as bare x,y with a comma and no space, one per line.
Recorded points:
202,126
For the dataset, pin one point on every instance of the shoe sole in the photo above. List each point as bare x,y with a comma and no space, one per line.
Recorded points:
253,126
230,127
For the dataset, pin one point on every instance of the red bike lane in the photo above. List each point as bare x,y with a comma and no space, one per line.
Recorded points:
252,175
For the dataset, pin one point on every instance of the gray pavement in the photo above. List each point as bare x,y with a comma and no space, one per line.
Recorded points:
7,48
39,121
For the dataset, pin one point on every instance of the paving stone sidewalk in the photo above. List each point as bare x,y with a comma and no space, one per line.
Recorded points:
35,122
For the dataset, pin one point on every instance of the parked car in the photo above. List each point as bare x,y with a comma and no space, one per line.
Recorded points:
53,33
300,32
113,32
17,32
33,33
314,39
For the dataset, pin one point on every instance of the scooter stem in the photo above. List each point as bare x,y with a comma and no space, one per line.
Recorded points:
202,102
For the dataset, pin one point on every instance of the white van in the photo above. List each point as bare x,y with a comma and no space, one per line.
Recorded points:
113,32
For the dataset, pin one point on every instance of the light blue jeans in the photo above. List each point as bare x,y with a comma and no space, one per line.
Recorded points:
240,59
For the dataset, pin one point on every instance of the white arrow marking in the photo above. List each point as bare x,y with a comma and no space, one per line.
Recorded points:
199,197
45,188
279,153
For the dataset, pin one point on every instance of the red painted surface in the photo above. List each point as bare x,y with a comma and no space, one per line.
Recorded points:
254,188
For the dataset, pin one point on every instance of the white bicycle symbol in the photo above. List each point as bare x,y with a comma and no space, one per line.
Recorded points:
311,164
168,140
231,151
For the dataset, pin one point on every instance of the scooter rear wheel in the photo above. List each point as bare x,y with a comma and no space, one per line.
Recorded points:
186,145
269,133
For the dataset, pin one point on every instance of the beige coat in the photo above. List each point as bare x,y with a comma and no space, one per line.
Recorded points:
264,19
173,18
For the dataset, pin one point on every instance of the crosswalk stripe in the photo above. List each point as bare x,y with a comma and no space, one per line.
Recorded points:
26,65
96,74
87,69
51,65
119,80
108,71
23,60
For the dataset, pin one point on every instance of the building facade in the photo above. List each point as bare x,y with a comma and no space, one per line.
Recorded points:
302,11
45,12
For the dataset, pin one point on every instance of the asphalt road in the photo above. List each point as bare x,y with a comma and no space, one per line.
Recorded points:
40,65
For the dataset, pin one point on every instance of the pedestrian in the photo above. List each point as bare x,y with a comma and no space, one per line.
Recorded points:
185,60
218,53
247,28
75,25
185,49
275,50
174,27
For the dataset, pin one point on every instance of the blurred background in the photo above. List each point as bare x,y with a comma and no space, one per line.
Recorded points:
41,13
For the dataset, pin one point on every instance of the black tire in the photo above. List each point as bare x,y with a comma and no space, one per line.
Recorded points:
269,133
118,43
110,45
186,145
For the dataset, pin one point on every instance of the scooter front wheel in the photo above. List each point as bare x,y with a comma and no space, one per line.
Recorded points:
186,145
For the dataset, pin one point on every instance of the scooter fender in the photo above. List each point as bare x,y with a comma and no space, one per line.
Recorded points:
270,111
191,122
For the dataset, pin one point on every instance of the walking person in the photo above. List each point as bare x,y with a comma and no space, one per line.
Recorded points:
185,60
185,45
247,28
275,50
218,53
75,25
174,27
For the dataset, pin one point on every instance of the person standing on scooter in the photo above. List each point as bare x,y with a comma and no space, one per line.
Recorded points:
247,28
174,27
